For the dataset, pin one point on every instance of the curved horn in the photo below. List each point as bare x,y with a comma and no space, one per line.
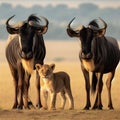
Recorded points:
13,29
102,31
7,22
44,28
40,29
68,27
73,32
18,25
10,28
46,21
105,24
96,24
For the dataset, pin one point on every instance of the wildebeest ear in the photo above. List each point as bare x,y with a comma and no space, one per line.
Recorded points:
52,66
73,33
12,30
98,26
101,33
38,66
42,30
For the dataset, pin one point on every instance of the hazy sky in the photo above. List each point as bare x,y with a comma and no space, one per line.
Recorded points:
71,3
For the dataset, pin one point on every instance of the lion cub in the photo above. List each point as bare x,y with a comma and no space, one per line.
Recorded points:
54,83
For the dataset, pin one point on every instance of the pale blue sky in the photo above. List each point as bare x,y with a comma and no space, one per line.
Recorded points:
71,3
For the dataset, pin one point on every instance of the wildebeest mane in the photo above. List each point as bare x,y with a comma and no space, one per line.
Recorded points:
94,24
32,17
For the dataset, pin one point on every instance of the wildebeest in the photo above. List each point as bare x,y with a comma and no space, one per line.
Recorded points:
99,54
25,48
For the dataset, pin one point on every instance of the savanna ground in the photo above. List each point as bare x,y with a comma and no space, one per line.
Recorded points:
65,55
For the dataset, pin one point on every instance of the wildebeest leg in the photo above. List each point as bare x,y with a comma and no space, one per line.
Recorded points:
38,105
21,73
26,87
87,85
15,78
96,101
99,90
108,84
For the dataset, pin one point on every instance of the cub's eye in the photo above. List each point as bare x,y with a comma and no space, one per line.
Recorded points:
48,71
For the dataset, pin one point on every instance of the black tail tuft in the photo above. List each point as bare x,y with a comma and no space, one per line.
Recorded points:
94,82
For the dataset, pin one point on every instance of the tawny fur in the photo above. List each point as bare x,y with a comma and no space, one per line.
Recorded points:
54,83
28,65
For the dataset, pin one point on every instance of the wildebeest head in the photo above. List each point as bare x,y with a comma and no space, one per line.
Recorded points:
95,28
26,31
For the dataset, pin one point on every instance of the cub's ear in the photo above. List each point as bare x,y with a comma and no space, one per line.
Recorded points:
52,66
38,66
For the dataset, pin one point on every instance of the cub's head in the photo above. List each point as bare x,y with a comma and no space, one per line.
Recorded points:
45,71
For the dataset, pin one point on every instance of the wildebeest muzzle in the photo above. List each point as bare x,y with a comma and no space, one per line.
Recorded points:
86,56
26,56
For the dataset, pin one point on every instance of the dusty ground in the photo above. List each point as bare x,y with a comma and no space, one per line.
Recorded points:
65,56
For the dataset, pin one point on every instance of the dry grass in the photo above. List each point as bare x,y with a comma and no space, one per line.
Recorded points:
69,63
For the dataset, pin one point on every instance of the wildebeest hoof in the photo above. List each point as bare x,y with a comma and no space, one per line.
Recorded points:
94,107
110,107
19,107
14,107
30,105
97,108
86,108
38,106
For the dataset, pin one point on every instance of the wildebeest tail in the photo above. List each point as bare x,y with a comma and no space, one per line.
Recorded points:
94,82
